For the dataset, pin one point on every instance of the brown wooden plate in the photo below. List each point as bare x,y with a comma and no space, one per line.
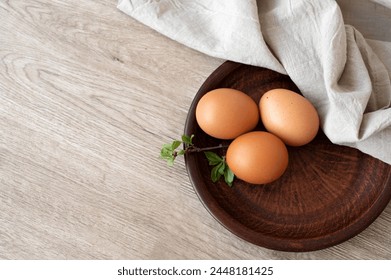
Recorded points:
328,194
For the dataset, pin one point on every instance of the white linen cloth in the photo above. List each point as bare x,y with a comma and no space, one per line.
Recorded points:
345,76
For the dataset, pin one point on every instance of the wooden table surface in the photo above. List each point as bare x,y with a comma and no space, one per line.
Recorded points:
87,98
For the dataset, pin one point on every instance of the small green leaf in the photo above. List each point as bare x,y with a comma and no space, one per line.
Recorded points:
188,140
166,151
185,139
167,147
181,152
222,168
170,161
213,158
164,156
228,175
175,144
215,174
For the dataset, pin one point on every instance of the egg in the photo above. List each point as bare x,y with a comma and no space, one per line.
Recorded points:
290,116
226,113
257,157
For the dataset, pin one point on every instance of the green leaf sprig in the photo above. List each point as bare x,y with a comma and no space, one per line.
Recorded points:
220,168
171,151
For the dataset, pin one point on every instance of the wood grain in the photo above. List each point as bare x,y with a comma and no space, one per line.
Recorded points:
88,96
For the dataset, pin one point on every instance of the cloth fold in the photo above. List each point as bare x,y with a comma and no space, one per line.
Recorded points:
344,75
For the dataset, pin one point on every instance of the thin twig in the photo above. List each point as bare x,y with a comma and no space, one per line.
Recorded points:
197,150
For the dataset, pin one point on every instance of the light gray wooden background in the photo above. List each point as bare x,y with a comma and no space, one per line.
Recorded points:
87,97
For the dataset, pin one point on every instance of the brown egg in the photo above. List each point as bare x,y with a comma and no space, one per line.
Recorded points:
226,113
257,157
289,116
